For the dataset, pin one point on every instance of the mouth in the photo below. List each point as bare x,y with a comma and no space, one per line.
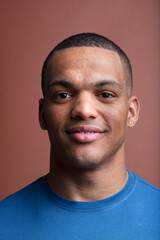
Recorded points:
84,134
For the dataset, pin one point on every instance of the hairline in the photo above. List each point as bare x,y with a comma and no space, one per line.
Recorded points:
126,66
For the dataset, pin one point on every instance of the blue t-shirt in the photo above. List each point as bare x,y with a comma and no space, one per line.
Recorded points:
36,212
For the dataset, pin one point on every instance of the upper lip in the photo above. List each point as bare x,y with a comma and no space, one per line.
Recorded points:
84,128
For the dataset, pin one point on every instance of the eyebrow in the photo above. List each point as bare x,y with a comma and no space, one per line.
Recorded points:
62,83
68,84
107,82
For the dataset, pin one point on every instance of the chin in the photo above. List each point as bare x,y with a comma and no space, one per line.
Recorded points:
88,160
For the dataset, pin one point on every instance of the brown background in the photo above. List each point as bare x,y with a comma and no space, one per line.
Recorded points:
30,29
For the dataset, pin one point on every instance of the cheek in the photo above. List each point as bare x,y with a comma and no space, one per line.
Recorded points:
55,116
115,116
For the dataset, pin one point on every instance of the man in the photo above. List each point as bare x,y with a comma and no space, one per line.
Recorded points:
88,193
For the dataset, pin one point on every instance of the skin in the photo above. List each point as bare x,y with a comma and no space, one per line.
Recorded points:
85,86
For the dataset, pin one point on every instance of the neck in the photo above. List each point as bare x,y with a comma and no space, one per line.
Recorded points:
88,185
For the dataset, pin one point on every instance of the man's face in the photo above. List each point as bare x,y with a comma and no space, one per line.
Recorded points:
85,106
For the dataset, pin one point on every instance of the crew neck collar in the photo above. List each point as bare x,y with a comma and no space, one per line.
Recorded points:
88,206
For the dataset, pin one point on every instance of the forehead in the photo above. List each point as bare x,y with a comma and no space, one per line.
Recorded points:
89,63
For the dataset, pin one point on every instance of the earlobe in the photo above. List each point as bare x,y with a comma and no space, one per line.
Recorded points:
42,120
133,111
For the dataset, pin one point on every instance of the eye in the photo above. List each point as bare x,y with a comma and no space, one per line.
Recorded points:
62,95
106,95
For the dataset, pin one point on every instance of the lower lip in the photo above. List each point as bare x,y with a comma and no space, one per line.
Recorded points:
85,137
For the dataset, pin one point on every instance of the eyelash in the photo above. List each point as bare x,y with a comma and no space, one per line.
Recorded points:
109,95
65,96
57,96
61,97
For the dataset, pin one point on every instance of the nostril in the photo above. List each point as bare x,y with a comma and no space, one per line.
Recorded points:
82,113
78,117
84,106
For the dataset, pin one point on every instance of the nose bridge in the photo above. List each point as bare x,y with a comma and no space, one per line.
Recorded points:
85,98
84,106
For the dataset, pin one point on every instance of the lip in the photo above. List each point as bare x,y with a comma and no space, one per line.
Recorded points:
85,133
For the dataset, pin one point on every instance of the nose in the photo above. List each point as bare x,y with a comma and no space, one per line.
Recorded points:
84,107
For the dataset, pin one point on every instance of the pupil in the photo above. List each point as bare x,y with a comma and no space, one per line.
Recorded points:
105,95
63,95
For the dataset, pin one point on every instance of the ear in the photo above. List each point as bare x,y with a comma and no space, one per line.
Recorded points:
42,120
133,111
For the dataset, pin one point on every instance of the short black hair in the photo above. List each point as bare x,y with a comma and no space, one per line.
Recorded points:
92,40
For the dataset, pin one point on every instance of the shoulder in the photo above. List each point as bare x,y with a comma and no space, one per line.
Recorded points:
146,193
146,186
19,210
22,197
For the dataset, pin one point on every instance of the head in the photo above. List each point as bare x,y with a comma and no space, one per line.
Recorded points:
87,105
92,40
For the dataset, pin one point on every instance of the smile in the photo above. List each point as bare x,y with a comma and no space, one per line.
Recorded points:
84,134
